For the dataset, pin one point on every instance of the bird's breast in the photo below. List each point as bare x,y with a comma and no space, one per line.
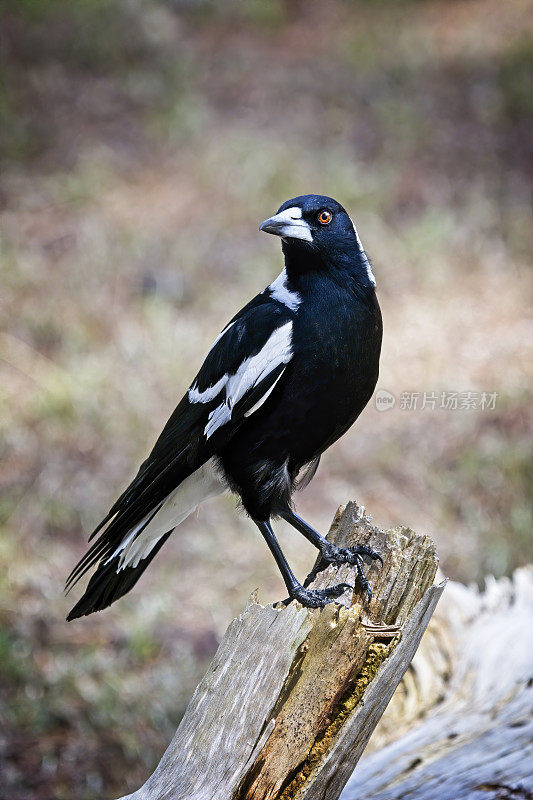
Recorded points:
326,384
331,377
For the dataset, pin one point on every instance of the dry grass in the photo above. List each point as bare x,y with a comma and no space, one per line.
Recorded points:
135,173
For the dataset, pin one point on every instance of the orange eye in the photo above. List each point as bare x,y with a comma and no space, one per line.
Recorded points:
324,217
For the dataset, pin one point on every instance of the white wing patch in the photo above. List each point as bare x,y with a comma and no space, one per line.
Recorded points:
201,485
279,291
195,396
262,399
277,350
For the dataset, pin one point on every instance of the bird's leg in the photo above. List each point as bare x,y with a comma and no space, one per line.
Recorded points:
311,598
330,553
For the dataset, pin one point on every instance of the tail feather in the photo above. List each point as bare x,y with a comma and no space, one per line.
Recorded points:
96,551
110,582
100,550
176,446
123,517
119,549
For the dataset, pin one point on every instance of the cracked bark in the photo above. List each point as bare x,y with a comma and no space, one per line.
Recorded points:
460,727
292,696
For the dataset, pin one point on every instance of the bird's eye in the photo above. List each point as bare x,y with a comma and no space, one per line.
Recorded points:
324,217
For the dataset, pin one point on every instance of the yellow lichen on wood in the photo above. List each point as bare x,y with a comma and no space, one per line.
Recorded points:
377,653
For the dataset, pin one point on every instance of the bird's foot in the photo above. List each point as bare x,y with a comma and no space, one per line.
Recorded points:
348,555
317,598
331,554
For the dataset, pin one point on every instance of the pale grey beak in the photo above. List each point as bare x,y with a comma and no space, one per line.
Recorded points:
288,224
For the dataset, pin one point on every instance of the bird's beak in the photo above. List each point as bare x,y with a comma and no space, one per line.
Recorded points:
288,224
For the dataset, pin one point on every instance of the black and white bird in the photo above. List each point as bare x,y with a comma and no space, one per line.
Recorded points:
287,376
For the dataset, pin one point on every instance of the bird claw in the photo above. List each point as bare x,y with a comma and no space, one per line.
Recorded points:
361,579
317,598
347,555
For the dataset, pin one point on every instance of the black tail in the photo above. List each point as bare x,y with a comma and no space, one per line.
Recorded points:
109,583
174,457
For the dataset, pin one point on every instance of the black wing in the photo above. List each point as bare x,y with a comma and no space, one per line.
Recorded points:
241,369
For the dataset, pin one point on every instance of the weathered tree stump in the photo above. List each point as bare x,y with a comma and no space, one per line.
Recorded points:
292,696
460,726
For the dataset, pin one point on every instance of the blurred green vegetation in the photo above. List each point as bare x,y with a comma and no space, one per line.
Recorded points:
141,143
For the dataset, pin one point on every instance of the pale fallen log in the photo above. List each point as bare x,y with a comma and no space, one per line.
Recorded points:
292,696
460,726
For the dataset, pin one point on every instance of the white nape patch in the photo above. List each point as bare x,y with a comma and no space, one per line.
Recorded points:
364,256
201,485
279,291
277,350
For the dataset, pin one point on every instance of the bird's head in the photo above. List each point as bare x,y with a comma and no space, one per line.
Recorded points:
315,229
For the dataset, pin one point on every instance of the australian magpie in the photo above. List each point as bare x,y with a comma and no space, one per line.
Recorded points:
287,376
